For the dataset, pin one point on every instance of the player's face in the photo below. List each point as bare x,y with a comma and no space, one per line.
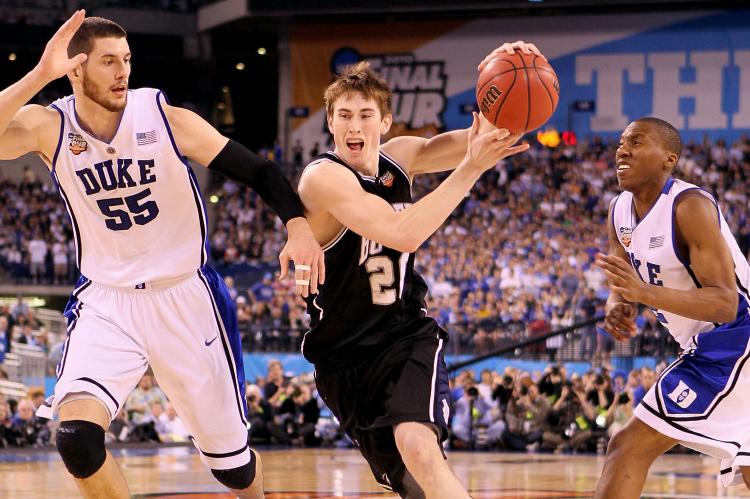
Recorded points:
641,157
106,72
357,125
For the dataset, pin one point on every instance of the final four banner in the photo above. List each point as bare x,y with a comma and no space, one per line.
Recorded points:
691,69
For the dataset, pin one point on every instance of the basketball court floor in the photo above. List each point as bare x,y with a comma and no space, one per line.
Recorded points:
176,472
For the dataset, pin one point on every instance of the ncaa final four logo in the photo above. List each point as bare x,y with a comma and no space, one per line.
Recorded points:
77,144
626,236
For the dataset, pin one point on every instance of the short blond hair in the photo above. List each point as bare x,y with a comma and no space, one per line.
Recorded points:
363,79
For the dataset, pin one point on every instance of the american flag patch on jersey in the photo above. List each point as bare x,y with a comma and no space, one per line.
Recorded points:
656,242
145,138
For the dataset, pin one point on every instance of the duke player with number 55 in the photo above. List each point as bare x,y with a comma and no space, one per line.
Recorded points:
378,358
671,250
146,295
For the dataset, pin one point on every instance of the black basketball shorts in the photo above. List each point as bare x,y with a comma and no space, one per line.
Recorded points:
406,382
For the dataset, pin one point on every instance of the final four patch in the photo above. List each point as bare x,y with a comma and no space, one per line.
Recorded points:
77,144
626,236
387,179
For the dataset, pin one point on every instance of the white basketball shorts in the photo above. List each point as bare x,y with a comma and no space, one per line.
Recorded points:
186,329
701,398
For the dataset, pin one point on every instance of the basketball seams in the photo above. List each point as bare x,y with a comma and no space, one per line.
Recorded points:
481,89
544,85
528,96
507,93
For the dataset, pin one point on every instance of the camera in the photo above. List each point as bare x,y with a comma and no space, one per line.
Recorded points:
524,390
623,399
472,391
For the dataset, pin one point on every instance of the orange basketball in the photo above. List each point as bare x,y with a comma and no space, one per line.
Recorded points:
517,91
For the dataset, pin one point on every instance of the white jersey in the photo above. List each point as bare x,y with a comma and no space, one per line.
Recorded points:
134,202
650,244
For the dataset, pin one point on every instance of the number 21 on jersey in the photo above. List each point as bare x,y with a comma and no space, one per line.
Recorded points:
380,269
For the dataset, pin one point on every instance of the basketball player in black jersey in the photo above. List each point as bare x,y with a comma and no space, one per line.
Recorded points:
378,357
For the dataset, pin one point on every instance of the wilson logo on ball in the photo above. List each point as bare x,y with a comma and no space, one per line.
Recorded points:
490,98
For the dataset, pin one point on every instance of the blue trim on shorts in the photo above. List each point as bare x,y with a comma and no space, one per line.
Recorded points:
71,313
708,373
227,321
101,387
224,454
671,422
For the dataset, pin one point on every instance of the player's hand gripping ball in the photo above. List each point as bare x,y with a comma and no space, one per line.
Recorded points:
517,91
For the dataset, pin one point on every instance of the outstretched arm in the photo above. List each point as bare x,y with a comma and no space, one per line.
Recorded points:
201,142
329,187
22,128
446,150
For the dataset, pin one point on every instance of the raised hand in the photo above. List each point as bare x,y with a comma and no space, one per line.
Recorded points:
487,148
55,62
510,48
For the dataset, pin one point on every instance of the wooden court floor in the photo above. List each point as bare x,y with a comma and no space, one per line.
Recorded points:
176,472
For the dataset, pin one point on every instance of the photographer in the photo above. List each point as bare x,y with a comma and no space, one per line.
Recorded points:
601,395
572,418
503,392
475,422
552,382
259,415
296,417
619,414
527,418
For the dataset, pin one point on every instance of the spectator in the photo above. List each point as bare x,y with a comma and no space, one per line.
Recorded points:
138,405
4,338
10,436
37,256
172,429
33,431
119,428
648,378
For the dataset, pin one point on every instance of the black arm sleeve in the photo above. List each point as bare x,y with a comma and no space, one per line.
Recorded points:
264,177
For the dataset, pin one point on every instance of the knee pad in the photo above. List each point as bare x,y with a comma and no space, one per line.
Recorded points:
237,478
81,446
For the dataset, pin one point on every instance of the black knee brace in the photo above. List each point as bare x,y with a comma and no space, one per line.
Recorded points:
81,446
237,478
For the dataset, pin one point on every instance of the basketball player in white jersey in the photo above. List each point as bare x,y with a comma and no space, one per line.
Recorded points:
378,357
671,250
145,295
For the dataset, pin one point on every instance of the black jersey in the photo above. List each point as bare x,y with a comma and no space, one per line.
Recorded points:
371,292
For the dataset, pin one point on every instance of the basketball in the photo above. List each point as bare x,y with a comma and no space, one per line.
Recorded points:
517,91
